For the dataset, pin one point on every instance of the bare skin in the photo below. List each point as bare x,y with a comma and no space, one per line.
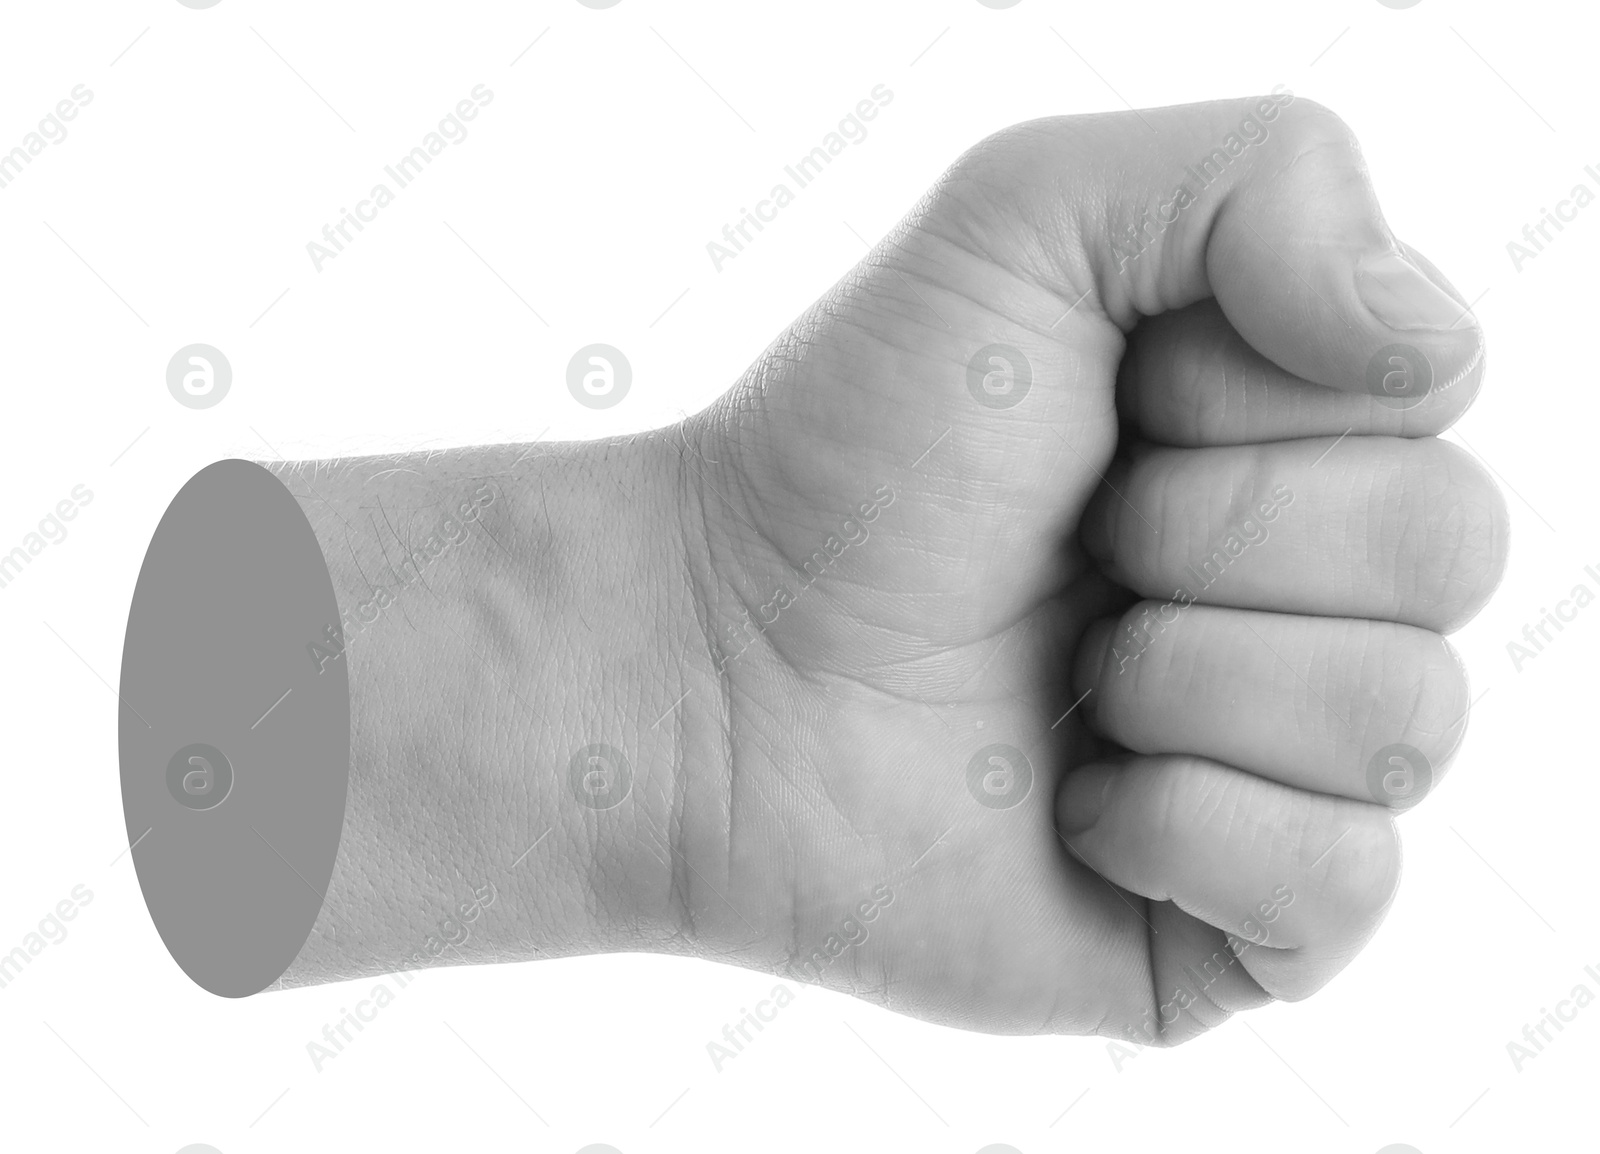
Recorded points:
804,616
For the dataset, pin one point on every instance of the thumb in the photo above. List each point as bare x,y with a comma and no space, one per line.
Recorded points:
1266,205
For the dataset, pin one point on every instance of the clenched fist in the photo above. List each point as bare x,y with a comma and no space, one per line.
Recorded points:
1040,636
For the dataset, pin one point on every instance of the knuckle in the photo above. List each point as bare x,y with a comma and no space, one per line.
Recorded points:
1204,800
1179,513
982,198
1004,200
1451,548
990,172
1229,369
1439,706
1169,801
1192,377
1421,699
1206,375
1311,127
1140,658
1480,557
1140,495
1181,798
1361,874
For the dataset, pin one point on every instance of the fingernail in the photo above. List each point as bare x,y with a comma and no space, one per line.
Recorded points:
1083,797
1401,296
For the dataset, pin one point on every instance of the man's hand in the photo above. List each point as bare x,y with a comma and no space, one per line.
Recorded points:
1038,638
1075,558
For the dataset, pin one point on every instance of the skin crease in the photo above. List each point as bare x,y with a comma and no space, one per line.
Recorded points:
801,614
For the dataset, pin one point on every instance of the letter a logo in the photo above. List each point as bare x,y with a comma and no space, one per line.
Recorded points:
999,376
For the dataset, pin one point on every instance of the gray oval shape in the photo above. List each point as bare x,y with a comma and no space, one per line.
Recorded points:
199,777
233,592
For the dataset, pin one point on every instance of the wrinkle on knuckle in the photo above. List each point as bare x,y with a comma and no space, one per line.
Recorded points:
1205,387
1230,388
1167,531
1203,801
1172,808
1144,680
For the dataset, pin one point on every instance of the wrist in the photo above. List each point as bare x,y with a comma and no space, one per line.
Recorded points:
537,724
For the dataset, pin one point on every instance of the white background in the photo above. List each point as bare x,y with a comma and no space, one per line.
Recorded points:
178,210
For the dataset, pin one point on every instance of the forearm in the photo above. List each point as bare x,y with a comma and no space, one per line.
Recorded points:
506,610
